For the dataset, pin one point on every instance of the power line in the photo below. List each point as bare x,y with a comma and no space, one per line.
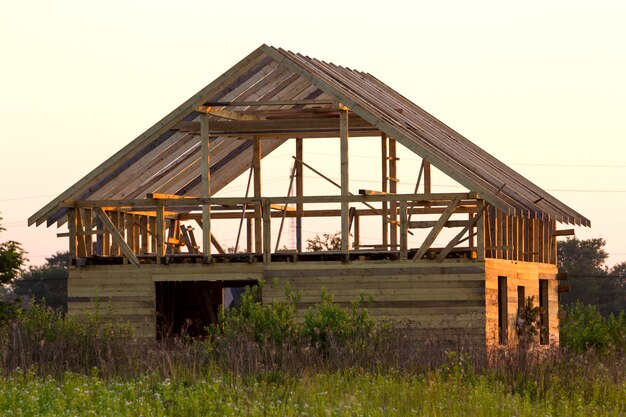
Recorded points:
26,197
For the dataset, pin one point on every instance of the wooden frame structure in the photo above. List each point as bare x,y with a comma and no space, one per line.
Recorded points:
131,221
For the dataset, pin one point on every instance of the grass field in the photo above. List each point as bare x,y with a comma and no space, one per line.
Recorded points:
442,392
263,363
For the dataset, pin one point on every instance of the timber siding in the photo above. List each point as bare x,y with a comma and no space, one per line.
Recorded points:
518,273
444,299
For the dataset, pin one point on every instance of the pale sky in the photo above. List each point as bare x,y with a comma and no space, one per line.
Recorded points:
540,85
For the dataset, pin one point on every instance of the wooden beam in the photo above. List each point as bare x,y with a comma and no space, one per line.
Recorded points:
233,201
71,225
372,192
299,191
434,232
273,126
80,235
393,189
403,230
427,183
427,224
206,187
266,103
457,239
161,196
564,232
226,114
345,181
267,233
256,168
328,213
384,175
159,233
282,207
217,245
481,230
116,236
184,232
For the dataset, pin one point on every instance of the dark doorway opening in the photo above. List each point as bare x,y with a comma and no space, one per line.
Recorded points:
544,333
187,308
503,311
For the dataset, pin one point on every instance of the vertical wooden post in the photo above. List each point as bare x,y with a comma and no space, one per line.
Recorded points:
71,226
144,224
115,250
345,181
480,230
249,234
384,175
81,249
299,192
88,222
99,244
427,184
393,188
470,232
357,232
206,187
160,232
404,223
267,232
256,168
153,241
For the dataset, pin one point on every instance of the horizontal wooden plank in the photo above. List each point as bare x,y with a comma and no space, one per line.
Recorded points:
356,284
381,272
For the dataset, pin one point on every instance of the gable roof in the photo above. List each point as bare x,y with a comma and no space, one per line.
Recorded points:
166,158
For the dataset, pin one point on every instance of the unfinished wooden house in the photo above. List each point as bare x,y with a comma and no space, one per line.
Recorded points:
146,227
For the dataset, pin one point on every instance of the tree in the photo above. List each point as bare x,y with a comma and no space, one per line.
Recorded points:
12,257
583,257
589,279
326,242
47,282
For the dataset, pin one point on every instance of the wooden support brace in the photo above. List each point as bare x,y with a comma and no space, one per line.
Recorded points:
455,241
184,232
116,236
434,232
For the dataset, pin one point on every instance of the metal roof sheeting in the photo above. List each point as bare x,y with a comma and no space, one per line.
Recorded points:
166,160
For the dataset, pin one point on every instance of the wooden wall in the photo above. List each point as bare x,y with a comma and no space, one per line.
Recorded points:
129,292
435,298
518,273
438,299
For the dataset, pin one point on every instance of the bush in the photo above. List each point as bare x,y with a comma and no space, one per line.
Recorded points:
273,322
328,322
585,328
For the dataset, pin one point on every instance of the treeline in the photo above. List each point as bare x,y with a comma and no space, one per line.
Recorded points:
590,281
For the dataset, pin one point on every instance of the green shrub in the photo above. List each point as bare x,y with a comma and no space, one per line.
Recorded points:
529,320
585,328
328,321
263,322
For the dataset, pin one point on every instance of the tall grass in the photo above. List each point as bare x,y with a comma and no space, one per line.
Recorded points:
258,358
